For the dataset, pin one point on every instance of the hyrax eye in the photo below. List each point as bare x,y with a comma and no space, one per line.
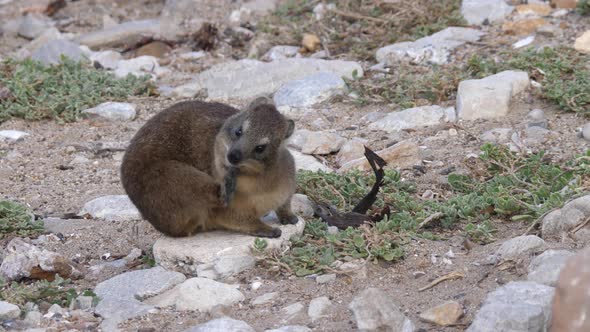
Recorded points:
238,132
260,148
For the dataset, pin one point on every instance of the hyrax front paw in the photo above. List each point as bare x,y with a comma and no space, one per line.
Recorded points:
290,219
272,233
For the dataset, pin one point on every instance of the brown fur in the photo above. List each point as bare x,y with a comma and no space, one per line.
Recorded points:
176,168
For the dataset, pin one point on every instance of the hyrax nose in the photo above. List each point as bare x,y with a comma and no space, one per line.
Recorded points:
234,156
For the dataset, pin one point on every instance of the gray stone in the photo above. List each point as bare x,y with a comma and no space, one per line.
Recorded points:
121,35
208,247
308,163
325,278
414,118
33,25
56,309
82,303
536,118
47,36
316,142
517,306
490,97
245,79
497,135
537,136
140,66
318,307
545,268
291,328
302,206
292,311
12,135
309,91
227,266
479,11
333,230
107,59
120,296
51,53
586,131
178,19
264,298
224,324
520,246
321,9
33,318
200,294
8,311
435,48
374,310
351,150
280,52
565,219
113,111
403,154
112,208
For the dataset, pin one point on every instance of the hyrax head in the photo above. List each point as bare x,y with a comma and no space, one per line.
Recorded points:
255,136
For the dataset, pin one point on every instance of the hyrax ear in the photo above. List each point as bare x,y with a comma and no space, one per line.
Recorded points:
290,128
259,101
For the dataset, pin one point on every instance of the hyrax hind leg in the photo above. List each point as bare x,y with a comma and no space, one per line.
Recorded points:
244,222
285,214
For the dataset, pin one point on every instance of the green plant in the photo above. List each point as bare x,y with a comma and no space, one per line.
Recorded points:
59,291
148,258
61,91
260,244
584,7
17,221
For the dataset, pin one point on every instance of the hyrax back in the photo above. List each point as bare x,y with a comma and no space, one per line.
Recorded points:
200,166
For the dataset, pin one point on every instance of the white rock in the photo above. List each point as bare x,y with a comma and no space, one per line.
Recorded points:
120,34
240,16
478,11
414,118
192,55
281,52
224,324
309,90
291,328
245,79
200,294
586,131
582,43
292,311
536,118
112,208
308,163
318,307
12,135
545,268
435,48
351,150
8,311
497,136
524,42
113,111
226,266
520,246
565,219
302,206
316,142
264,298
51,52
140,66
325,278
107,59
375,311
33,318
490,97
403,155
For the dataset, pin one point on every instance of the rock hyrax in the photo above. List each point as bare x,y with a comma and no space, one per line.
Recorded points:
200,166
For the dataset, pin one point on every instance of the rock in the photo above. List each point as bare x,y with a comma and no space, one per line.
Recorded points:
111,208
33,25
120,296
247,78
157,49
309,90
318,307
140,66
24,260
569,4
403,155
497,136
545,268
264,298
224,324
537,136
582,43
200,294
585,131
534,9
113,267
325,278
106,59
523,27
121,35
240,16
302,206
317,142
321,9
536,118
56,309
434,49
445,314
524,42
415,118
8,311
311,42
280,52
571,304
565,219
520,246
208,247
480,11
308,163
12,135
490,97
292,311
225,266
178,19
261,6
82,303
351,150
113,111
51,53
517,306
374,310
549,30
291,328
33,318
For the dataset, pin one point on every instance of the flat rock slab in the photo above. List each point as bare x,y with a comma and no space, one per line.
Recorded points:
112,208
309,90
545,268
479,11
518,306
121,295
121,35
208,247
414,118
435,48
112,111
247,78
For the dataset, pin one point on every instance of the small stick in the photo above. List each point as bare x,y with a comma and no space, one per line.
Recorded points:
429,219
582,224
451,276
